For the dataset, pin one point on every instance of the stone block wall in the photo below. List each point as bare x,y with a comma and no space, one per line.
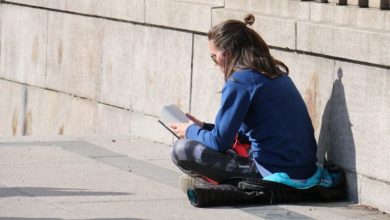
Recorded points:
97,67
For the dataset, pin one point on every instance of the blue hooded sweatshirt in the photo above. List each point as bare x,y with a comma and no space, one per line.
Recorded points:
274,117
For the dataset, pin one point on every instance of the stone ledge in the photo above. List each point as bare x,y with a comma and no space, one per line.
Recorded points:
343,41
381,4
276,31
53,4
130,10
283,8
179,14
352,16
212,2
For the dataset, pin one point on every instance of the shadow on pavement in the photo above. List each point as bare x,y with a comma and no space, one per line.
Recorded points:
42,191
19,218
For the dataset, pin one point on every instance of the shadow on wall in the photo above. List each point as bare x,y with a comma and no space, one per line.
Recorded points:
336,141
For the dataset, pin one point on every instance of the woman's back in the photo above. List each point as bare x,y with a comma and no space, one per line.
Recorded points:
277,124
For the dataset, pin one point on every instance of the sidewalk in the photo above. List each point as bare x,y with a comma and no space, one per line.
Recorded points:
119,178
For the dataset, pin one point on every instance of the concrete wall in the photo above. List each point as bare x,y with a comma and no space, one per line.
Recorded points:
92,67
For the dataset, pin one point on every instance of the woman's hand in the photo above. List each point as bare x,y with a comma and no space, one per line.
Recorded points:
181,128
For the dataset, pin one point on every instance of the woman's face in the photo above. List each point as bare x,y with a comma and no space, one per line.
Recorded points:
217,56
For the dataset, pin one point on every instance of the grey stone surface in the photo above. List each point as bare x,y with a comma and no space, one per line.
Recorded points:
178,14
212,2
332,211
146,126
141,149
354,133
36,155
353,16
276,31
346,42
112,121
162,209
81,117
54,113
31,208
360,3
55,4
12,108
23,44
49,181
207,82
338,2
358,121
130,10
47,112
140,68
118,50
374,193
353,2
161,70
294,9
74,54
1,17
381,4
85,6
344,113
387,19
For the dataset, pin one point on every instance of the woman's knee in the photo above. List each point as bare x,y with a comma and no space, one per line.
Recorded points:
182,149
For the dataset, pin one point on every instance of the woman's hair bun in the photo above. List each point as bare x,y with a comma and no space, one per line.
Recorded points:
249,19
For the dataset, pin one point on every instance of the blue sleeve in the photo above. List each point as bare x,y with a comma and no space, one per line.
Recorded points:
234,106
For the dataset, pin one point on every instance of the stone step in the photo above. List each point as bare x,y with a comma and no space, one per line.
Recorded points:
344,41
345,15
131,10
314,36
351,16
381,4
276,31
338,2
179,14
360,3
283,8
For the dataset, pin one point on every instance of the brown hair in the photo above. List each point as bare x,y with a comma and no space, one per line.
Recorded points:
244,48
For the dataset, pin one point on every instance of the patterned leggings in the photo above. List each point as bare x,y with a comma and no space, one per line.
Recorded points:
195,159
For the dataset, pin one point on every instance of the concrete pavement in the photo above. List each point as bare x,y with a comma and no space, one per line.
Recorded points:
119,178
